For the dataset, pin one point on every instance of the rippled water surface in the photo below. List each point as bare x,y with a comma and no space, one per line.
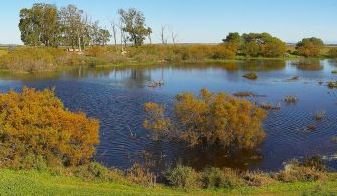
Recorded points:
116,97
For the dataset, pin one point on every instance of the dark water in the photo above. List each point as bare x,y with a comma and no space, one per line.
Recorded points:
116,97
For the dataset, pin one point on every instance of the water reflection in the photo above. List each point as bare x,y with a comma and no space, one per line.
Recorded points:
308,64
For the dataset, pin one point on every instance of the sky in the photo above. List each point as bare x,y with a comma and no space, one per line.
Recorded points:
201,21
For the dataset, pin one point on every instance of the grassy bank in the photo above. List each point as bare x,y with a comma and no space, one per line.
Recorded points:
44,183
39,59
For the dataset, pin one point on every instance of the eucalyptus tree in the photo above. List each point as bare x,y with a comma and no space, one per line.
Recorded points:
133,23
39,25
74,26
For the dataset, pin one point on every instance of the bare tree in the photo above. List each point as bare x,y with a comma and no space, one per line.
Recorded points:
123,38
174,37
150,38
162,35
114,33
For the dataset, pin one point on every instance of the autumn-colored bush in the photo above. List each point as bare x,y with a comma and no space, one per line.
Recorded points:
33,59
28,60
223,52
209,119
333,53
310,47
296,171
35,126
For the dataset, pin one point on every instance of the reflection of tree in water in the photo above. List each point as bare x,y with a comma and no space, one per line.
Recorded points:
308,64
332,62
217,157
234,65
137,78
262,65
30,77
127,77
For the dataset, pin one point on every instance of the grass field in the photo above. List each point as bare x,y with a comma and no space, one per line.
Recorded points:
3,51
42,183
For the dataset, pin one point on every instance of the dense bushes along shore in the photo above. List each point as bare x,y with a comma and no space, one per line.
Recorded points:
41,59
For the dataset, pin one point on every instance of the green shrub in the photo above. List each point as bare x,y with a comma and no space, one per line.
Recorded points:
140,175
96,171
183,177
217,178
33,161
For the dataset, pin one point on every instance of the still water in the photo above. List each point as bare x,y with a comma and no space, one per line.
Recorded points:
116,96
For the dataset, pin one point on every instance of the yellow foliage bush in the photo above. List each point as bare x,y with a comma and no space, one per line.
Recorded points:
36,124
211,119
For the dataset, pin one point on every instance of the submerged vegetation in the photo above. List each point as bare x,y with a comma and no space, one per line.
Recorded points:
332,84
290,99
250,76
209,119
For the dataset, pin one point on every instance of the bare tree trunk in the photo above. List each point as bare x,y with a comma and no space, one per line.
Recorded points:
174,38
79,43
150,38
114,32
162,35
122,35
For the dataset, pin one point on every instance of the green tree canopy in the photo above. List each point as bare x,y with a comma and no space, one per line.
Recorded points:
39,25
262,44
134,24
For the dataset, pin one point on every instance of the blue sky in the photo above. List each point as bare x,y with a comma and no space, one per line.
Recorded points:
200,20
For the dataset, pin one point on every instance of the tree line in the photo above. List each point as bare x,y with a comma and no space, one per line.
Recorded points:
265,45
46,25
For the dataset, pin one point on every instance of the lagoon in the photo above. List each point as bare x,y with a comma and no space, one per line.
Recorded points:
116,96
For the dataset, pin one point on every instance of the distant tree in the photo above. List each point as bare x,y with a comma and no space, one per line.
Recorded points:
104,36
162,35
134,24
233,41
39,25
310,47
333,53
233,38
262,44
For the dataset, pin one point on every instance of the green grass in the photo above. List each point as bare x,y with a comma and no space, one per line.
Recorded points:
43,183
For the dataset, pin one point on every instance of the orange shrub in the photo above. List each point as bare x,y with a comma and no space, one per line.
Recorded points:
35,124
211,119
